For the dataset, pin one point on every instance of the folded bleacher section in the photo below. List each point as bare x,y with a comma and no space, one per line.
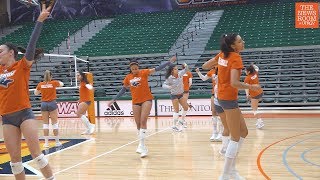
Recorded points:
144,33
263,25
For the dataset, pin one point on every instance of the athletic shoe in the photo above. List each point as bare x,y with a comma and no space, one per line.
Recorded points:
144,152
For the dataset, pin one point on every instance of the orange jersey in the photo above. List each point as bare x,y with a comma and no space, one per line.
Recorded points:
225,90
139,86
212,74
14,87
186,76
253,79
48,90
84,92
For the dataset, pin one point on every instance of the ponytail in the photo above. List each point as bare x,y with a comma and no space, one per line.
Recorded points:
47,76
225,43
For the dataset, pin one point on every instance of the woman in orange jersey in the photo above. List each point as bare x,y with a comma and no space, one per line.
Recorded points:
217,125
84,102
187,82
142,98
15,107
254,96
229,70
49,107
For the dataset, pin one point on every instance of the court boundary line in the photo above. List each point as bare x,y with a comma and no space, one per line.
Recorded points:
263,150
305,159
285,153
38,173
106,153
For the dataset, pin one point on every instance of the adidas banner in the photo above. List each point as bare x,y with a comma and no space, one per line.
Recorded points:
119,108
198,107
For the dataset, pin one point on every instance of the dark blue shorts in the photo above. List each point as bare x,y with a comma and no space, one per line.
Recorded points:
17,118
49,106
140,104
225,104
178,96
258,97
218,109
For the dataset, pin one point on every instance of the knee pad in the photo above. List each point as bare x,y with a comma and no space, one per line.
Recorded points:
16,167
41,160
55,126
45,126
232,149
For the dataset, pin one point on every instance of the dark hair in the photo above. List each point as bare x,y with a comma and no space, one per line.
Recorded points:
225,44
250,69
216,70
16,49
169,70
133,62
83,77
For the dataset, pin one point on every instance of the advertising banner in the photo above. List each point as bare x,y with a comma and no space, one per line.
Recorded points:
198,107
119,108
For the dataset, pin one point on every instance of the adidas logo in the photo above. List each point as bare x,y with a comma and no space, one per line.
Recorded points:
114,110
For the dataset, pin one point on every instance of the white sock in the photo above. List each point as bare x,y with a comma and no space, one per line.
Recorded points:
175,118
46,139
183,115
215,130
225,142
142,136
220,126
85,121
57,139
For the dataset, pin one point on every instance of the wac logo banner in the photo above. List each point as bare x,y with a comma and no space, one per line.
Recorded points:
5,168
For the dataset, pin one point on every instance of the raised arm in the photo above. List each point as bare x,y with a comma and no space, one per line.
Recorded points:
31,48
202,77
163,65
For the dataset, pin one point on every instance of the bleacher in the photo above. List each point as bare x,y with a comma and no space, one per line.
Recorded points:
53,33
144,33
269,24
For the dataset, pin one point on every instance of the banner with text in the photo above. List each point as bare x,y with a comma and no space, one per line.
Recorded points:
119,108
198,107
69,109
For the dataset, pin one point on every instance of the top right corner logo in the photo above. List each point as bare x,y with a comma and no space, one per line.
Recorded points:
307,15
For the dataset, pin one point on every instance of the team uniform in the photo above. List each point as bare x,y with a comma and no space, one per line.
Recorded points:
15,106
228,95
48,95
228,99
139,86
140,92
186,82
84,93
254,79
